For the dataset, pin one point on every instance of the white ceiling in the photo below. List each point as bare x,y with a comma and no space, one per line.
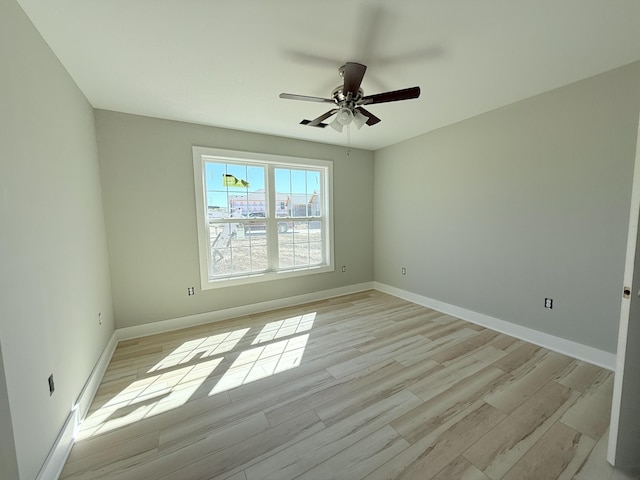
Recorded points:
224,62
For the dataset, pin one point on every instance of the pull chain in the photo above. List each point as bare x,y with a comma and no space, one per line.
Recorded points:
348,140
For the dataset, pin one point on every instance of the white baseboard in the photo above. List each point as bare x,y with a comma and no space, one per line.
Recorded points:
53,465
163,326
579,351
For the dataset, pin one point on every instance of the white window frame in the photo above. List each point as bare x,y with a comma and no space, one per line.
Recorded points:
203,154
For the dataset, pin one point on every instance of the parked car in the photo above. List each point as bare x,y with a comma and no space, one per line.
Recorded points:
283,226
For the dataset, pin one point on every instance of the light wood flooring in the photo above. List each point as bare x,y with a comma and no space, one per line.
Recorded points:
365,386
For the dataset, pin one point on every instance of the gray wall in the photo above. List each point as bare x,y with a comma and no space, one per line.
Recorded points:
8,461
496,213
54,276
146,168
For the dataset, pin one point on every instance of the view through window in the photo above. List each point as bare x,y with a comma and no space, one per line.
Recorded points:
261,216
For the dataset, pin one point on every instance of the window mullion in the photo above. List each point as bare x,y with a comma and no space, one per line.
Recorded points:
271,220
321,214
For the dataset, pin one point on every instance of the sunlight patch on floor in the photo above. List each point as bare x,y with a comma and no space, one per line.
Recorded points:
175,379
261,362
147,397
203,347
283,328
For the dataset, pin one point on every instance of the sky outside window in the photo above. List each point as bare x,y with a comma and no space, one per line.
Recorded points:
287,181
217,191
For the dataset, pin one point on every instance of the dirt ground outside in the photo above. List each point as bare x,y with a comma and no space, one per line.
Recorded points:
240,252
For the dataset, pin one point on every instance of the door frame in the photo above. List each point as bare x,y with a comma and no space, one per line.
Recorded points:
625,310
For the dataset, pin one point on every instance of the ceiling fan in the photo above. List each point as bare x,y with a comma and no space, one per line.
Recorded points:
348,99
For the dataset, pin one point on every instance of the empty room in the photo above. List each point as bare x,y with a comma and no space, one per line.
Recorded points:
320,240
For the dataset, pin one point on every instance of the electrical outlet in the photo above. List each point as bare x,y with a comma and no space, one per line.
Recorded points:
52,386
99,318
344,268
191,291
548,303
404,271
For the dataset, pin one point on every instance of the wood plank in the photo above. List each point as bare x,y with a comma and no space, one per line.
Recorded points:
596,465
84,463
311,399
583,450
481,339
453,442
503,446
591,412
131,434
581,376
549,457
434,451
461,469
304,455
237,410
432,347
235,458
429,416
523,354
505,342
167,461
361,458
439,381
348,367
357,399
527,382
237,476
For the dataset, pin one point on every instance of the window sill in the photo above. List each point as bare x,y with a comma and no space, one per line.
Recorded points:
265,277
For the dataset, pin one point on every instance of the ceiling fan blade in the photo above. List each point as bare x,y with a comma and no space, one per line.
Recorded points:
372,119
307,122
353,75
292,96
404,94
317,122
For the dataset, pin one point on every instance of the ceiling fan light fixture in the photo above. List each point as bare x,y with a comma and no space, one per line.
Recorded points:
359,119
336,125
344,116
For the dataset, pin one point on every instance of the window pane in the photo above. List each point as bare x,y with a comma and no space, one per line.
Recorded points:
285,250
302,246
301,257
301,231
222,235
241,260
300,189
259,258
234,190
220,259
315,205
298,182
239,252
315,253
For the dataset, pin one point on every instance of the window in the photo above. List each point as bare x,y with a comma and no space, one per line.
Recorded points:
261,217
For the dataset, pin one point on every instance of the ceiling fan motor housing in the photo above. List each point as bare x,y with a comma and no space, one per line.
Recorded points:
339,97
